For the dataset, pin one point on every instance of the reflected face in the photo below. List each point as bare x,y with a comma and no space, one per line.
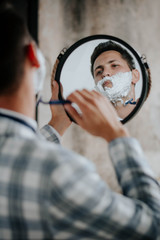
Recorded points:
107,64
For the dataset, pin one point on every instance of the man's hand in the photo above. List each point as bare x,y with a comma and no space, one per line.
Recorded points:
98,115
59,120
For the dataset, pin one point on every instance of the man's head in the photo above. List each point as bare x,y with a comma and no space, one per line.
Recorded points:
16,45
111,46
114,72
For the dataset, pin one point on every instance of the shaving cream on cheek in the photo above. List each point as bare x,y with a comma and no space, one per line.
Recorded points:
121,85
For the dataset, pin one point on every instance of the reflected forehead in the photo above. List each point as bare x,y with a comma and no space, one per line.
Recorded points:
108,57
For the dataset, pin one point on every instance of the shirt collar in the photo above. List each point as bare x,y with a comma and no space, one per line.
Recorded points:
20,116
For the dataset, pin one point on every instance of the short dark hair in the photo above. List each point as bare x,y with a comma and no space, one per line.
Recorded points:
13,41
108,46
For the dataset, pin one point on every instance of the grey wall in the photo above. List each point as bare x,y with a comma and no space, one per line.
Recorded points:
62,22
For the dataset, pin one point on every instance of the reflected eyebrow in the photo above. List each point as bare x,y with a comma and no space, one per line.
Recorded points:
101,66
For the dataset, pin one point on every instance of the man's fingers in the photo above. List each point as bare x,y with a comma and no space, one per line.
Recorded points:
55,90
73,113
54,71
54,84
61,88
77,98
88,95
84,99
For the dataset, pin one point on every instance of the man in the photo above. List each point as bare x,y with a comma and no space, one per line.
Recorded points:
115,75
48,192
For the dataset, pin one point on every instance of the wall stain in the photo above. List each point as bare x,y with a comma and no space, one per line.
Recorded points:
74,14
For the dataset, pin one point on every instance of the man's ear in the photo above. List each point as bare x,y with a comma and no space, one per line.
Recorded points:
32,55
135,76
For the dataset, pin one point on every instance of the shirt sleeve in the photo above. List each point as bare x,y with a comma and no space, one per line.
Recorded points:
85,202
50,134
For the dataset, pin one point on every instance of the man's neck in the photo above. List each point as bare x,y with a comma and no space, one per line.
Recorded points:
124,111
18,104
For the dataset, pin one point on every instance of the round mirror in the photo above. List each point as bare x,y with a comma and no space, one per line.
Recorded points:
108,65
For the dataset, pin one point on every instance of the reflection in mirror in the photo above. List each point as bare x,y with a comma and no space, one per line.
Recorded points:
115,76
108,65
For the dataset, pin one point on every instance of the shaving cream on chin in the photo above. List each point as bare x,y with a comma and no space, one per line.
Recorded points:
121,85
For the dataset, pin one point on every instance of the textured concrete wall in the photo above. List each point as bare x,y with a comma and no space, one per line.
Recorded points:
62,22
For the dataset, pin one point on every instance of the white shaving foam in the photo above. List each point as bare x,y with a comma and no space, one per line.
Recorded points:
121,85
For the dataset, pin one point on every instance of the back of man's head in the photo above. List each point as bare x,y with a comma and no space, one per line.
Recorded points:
14,38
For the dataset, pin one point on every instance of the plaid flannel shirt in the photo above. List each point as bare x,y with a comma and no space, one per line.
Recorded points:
48,192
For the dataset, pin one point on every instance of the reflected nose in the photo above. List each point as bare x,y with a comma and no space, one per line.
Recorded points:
107,72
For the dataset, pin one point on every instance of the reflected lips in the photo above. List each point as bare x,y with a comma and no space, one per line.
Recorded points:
107,84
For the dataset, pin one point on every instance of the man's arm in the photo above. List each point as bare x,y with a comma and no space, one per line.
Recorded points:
50,134
84,207
59,121
98,117
100,212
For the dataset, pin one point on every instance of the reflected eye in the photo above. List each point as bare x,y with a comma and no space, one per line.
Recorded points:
99,72
115,65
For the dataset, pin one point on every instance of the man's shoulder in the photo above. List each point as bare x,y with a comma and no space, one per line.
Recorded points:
43,151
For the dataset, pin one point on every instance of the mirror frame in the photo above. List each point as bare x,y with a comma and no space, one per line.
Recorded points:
145,80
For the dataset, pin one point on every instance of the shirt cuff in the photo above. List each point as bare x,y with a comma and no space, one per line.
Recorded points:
50,134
